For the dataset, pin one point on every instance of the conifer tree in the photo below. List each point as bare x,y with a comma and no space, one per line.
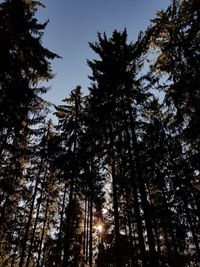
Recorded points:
70,126
174,33
116,94
25,63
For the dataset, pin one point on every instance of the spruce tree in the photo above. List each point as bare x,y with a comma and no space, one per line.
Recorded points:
70,125
116,97
174,33
25,63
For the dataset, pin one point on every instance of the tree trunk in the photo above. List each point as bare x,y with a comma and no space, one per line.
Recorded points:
115,200
143,256
87,233
35,222
85,229
43,232
153,261
91,228
59,241
25,239
67,227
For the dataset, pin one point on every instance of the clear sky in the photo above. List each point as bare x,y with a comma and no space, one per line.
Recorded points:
74,23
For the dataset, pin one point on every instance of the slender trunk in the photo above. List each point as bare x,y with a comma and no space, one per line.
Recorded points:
42,236
115,203
90,210
116,215
130,234
114,187
143,256
25,239
85,228
16,249
87,233
91,235
153,260
68,226
171,246
35,223
73,172
59,241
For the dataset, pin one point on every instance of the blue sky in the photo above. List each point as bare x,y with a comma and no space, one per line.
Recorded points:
74,23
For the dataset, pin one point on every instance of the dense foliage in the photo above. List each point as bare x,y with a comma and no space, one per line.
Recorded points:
117,181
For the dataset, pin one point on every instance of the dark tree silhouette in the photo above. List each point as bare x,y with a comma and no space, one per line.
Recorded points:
24,63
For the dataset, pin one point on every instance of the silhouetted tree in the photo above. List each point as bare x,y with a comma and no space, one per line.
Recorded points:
117,95
25,63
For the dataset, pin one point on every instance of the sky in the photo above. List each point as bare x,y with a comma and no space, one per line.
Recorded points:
74,23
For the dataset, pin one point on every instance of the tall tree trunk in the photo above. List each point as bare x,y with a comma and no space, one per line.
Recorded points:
91,230
87,232
137,214
25,239
59,241
68,226
134,259
167,226
85,229
115,199
43,232
35,222
15,250
153,260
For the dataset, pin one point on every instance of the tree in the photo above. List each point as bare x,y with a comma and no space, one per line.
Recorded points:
115,97
25,63
171,33
71,127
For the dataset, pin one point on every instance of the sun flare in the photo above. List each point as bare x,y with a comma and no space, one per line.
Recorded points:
99,228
